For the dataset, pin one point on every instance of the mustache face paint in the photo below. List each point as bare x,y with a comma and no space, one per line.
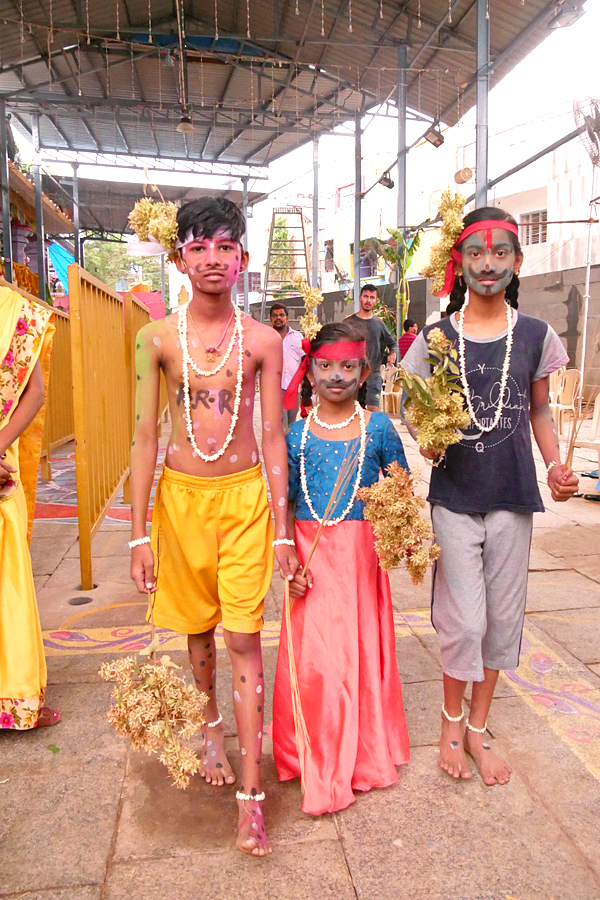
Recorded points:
488,264
336,379
213,263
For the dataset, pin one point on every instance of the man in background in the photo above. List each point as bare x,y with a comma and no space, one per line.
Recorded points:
411,329
292,354
379,342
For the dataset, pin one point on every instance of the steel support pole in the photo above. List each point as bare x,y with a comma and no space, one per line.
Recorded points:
5,187
39,208
357,202
481,127
76,212
315,223
245,242
402,151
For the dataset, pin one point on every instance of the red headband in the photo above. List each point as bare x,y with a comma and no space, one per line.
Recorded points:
337,350
486,225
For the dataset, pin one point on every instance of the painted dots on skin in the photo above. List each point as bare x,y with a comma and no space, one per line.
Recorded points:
233,458
254,457
157,342
259,689
276,470
281,501
237,697
267,426
247,401
211,441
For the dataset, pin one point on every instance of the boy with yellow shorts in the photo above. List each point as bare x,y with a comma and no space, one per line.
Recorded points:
210,556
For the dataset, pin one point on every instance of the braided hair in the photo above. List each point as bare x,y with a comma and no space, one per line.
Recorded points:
333,333
459,290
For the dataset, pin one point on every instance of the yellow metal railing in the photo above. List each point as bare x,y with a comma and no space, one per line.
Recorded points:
58,426
58,420
101,404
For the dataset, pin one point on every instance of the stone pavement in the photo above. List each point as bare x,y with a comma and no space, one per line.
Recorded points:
83,818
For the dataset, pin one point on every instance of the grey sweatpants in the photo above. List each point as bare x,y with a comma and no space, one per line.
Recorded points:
479,589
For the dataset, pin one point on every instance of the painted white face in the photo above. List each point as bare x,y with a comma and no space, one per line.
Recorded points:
336,379
488,261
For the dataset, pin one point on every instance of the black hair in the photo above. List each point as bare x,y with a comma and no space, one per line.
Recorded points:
207,215
457,295
333,333
368,287
280,306
408,323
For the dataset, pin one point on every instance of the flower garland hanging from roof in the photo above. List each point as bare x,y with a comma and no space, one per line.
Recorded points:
155,225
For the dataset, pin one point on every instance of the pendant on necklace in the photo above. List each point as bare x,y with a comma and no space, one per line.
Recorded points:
212,353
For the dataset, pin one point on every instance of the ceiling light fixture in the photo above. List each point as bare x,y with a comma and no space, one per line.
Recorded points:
185,125
434,137
386,181
566,14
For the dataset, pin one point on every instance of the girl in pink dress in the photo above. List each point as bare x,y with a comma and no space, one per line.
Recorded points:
342,618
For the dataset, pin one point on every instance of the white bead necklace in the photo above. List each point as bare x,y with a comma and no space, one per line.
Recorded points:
361,459
335,426
505,367
188,363
182,329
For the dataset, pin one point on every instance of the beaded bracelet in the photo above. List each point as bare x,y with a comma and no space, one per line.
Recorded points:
281,541
137,542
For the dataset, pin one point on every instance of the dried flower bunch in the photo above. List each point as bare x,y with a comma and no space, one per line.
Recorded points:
434,405
451,210
401,532
309,323
151,219
157,710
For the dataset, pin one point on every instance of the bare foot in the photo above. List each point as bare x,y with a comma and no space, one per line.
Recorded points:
492,769
452,758
215,767
252,834
47,717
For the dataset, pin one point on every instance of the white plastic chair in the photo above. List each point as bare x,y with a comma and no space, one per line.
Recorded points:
390,397
568,398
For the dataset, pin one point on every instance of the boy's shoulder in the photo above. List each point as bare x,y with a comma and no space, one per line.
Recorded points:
158,328
266,336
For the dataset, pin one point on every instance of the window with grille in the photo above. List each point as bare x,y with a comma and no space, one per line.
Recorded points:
534,229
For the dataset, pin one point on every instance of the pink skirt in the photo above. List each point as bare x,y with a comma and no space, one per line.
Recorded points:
345,652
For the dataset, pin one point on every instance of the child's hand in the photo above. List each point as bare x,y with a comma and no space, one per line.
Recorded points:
287,559
562,482
429,454
142,569
300,583
6,472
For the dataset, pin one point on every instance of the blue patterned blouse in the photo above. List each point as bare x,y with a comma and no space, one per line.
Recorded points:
322,461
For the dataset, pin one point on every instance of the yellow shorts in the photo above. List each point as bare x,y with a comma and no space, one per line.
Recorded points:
212,540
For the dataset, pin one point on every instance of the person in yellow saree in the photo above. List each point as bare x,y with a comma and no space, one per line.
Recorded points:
26,332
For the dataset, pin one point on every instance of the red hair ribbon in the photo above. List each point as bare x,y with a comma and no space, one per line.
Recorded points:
337,350
486,225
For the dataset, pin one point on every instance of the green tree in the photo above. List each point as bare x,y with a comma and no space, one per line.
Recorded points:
110,262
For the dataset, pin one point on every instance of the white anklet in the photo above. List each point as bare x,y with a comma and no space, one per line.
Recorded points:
215,723
452,718
477,730
257,797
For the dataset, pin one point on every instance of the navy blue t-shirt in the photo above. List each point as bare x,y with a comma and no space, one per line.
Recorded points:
493,470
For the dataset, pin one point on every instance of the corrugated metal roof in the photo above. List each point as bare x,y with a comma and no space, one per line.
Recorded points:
268,82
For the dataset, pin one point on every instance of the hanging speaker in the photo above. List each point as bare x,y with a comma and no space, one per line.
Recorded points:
463,175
